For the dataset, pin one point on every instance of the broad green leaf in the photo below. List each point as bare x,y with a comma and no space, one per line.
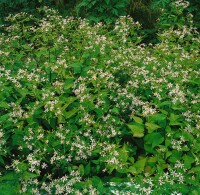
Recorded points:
96,162
159,119
17,138
100,187
77,67
99,112
132,170
176,155
22,166
179,108
86,55
188,160
96,180
160,170
4,105
164,112
18,102
4,118
120,170
152,161
115,110
131,159
149,149
68,83
175,119
151,127
154,139
137,130
165,103
137,119
68,86
139,165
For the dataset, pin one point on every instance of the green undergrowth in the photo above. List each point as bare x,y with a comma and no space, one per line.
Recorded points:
89,110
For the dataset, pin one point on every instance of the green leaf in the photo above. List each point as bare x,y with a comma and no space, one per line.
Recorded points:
123,153
81,169
66,102
9,188
107,2
151,127
137,119
115,110
9,176
23,166
99,112
53,123
152,161
179,108
132,170
4,105
176,155
69,82
96,180
68,85
17,138
115,12
1,160
137,130
138,166
70,113
188,160
165,103
28,175
77,67
154,139
120,4
87,169
175,119
86,55
100,187
159,119
4,118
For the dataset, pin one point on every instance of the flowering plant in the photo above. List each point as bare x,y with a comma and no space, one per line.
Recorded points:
82,106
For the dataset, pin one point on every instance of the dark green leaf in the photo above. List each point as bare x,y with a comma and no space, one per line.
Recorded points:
154,139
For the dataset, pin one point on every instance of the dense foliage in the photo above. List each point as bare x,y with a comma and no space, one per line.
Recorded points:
144,11
84,107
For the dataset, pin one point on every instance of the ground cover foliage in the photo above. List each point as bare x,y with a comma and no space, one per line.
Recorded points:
144,11
90,110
